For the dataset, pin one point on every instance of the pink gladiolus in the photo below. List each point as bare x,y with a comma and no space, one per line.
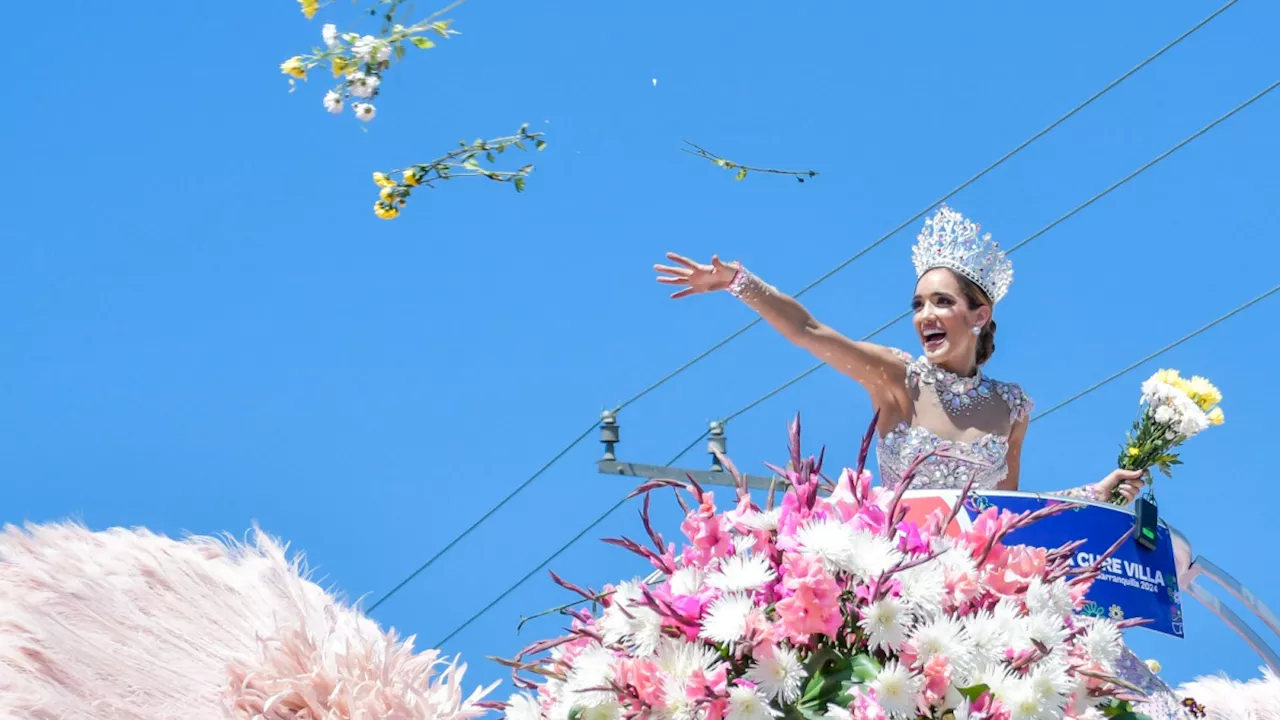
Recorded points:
866,707
644,677
707,533
937,679
961,587
909,539
813,606
1022,563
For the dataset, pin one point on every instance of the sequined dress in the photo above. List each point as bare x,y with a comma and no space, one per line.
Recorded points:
985,461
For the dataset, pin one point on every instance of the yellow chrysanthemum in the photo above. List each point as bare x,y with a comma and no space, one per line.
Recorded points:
1134,452
1154,666
392,193
1216,417
385,210
383,181
293,66
411,177
340,65
1204,393
1168,377
309,7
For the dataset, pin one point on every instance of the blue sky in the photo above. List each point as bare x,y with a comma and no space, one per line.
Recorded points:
208,327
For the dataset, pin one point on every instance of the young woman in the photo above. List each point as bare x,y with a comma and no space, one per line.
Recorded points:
940,401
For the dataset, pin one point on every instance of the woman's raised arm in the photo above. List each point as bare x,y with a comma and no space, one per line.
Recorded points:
877,368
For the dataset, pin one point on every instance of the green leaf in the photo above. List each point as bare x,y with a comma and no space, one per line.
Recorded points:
742,174
489,156
422,42
399,51
575,714
540,144
973,692
519,183
518,144
865,668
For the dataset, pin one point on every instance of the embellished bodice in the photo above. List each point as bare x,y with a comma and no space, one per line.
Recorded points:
954,462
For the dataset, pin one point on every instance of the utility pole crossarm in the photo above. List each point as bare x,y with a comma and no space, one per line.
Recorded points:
610,435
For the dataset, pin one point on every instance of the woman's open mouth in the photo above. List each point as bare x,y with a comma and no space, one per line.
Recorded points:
933,337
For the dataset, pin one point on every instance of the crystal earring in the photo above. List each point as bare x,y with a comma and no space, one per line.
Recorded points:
976,330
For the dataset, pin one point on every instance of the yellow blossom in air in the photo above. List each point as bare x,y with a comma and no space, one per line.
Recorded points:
411,177
1154,666
385,210
1168,377
340,65
293,66
1216,417
383,181
309,7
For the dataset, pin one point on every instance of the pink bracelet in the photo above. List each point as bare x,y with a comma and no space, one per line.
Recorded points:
746,287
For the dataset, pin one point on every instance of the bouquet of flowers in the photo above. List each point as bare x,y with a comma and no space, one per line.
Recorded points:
1173,410
831,605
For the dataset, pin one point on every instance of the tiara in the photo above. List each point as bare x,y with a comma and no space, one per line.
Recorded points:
949,240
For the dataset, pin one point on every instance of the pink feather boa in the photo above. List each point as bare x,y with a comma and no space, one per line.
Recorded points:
126,624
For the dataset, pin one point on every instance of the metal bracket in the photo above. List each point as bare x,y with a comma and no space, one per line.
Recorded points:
1203,567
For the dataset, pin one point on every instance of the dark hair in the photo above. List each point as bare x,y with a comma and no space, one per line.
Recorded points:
977,297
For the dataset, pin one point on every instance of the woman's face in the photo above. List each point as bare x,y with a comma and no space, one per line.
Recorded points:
944,322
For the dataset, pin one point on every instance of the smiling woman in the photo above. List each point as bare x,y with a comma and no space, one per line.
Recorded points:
941,401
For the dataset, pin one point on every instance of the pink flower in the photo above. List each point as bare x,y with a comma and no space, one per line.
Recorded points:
989,524
961,587
1021,563
872,519
909,539
707,534
937,680
645,678
813,606
866,707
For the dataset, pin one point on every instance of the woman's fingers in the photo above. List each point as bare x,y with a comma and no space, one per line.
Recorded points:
673,280
673,257
678,271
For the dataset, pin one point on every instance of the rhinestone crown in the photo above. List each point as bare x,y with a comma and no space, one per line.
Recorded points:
951,241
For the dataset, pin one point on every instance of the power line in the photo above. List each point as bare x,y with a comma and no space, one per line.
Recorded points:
512,588
826,276
1158,353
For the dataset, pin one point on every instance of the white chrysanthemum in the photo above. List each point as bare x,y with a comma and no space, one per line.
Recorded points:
1101,642
628,622
364,111
780,675
1006,610
747,704
687,581
870,556
988,637
608,711
828,540
945,635
679,659
766,520
725,621
1051,682
1164,415
678,706
362,85
330,34
956,560
521,706
589,677
371,49
333,102
896,689
742,544
1053,598
1044,628
885,623
994,675
741,573
1024,703
835,712
923,587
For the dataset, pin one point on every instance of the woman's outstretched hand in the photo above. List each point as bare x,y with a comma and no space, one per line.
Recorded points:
1125,483
695,277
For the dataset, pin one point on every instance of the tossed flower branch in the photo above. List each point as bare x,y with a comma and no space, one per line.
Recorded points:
465,161
834,606
360,61
742,170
